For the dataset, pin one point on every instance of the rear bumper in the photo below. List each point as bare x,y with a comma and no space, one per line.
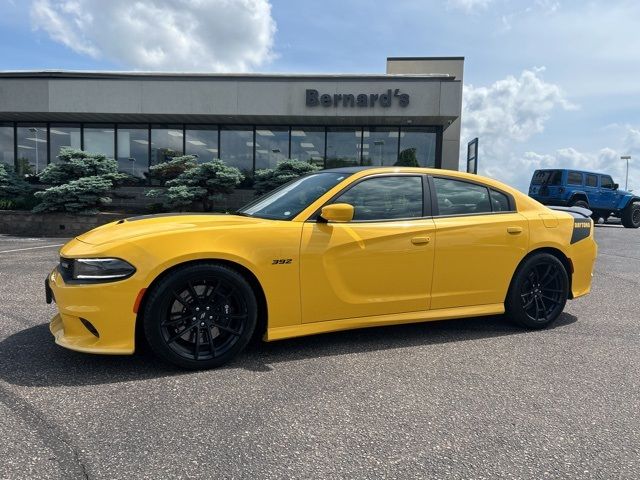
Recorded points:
583,258
95,318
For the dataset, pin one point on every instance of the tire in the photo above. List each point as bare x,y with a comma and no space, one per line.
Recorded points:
631,216
538,291
580,203
214,308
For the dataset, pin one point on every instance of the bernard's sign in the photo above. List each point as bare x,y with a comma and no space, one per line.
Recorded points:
315,98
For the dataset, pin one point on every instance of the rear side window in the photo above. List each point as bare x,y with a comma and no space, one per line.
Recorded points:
574,178
547,177
592,180
499,201
456,197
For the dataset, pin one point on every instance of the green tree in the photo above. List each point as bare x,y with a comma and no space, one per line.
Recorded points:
12,187
204,183
407,158
173,168
81,182
271,178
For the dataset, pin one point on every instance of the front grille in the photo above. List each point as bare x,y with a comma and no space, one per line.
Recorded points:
66,268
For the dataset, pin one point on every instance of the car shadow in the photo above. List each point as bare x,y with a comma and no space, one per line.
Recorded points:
30,358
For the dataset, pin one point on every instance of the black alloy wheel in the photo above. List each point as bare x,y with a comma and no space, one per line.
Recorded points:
200,316
538,291
631,216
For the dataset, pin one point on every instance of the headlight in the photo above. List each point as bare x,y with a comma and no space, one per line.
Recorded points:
96,269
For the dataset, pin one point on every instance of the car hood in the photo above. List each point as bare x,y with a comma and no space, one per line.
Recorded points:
156,224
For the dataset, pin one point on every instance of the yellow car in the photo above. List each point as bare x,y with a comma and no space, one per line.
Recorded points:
334,250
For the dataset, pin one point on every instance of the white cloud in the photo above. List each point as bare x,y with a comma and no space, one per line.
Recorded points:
171,35
507,113
469,6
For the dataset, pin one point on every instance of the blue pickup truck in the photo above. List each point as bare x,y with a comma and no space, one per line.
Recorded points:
594,191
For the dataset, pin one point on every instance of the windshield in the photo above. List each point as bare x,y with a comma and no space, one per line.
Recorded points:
547,177
289,200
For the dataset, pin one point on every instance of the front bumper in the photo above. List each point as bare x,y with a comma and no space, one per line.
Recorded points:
93,318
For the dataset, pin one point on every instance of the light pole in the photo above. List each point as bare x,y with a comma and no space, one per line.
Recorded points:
626,181
35,131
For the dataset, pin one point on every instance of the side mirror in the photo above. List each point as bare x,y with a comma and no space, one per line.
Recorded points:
616,186
337,212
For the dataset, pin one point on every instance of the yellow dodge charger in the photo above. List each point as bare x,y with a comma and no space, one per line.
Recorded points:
334,250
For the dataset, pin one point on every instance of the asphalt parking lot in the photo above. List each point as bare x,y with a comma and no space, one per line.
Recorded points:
474,398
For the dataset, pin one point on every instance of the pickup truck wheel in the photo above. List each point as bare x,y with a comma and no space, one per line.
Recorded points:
538,291
580,203
631,216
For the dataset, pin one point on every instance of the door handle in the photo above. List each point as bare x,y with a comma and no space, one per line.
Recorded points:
420,240
514,230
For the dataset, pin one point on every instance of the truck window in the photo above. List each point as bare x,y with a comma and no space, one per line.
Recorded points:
547,177
592,180
606,182
574,178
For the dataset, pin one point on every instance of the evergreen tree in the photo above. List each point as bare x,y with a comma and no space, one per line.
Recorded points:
271,178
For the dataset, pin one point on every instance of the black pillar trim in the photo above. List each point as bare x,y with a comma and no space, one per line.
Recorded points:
184,139
439,133
289,156
15,147
254,151
219,142
48,127
82,137
115,143
361,144
325,148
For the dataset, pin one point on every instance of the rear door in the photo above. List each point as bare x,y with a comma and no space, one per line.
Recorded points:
591,189
481,239
379,263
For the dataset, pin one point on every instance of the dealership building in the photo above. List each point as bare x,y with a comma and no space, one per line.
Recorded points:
250,121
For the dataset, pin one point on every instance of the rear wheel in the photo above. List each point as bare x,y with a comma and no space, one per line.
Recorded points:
200,316
580,203
538,291
631,216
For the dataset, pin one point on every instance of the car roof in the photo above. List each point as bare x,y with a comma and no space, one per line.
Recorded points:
571,170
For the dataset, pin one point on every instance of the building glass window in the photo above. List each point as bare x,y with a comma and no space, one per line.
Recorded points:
417,147
202,140
343,146
99,139
307,144
133,149
6,144
166,142
32,148
380,146
385,198
236,148
272,146
63,135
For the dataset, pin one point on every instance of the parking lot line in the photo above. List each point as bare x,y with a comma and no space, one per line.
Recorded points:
31,248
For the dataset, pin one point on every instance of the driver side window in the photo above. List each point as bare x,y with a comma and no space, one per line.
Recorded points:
385,198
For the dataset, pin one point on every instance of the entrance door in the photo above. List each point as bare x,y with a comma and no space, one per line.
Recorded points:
379,263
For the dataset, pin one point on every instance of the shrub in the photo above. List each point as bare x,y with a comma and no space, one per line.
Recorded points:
173,168
271,178
84,195
12,187
82,182
407,158
204,183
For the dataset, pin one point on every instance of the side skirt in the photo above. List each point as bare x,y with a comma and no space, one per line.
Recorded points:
382,320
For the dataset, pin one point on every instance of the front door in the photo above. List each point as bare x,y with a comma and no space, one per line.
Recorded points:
379,263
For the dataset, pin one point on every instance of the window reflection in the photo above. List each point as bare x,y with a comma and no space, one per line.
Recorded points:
166,142
343,146
133,149
202,141
6,144
380,146
236,148
99,139
32,148
272,146
63,135
417,147
307,144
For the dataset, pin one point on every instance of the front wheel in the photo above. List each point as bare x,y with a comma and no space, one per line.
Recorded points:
538,291
631,216
200,316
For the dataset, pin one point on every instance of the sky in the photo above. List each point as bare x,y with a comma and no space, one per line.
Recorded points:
547,83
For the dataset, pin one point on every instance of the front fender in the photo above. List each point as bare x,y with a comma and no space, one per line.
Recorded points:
626,200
